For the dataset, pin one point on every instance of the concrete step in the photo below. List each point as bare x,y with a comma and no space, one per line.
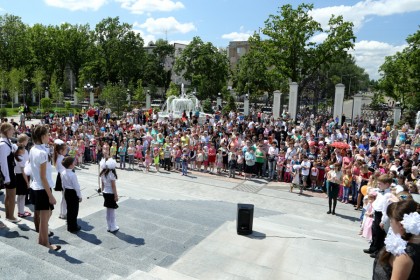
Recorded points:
139,274
168,274
17,264
60,261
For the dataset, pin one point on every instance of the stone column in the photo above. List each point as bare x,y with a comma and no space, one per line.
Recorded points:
75,98
293,98
148,103
276,104
33,98
246,106
397,114
219,102
357,106
47,94
92,98
338,102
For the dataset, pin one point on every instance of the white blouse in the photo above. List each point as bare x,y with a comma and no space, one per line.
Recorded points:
58,164
107,181
37,156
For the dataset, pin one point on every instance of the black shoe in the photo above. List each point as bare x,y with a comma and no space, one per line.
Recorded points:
367,251
333,212
75,230
373,255
329,212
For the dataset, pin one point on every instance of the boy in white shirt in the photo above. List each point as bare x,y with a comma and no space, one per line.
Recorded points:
72,194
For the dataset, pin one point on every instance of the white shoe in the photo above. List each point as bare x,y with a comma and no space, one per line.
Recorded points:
117,228
15,221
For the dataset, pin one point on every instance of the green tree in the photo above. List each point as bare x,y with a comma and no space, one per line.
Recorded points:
289,52
120,54
204,66
46,104
230,106
173,90
139,94
15,85
207,106
115,96
14,51
159,64
38,80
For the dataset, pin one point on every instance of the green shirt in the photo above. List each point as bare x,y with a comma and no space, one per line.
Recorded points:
259,156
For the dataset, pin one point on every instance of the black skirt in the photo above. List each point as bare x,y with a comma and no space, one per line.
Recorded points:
58,185
41,201
21,186
249,169
109,201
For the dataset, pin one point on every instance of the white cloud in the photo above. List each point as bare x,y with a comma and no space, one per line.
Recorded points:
75,5
165,25
236,36
242,35
144,6
319,38
184,42
370,55
360,12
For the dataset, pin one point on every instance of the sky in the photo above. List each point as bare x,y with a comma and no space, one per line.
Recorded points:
381,26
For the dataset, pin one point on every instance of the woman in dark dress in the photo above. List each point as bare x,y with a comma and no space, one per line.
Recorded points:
400,259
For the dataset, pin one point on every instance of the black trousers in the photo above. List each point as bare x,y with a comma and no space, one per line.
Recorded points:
167,164
378,234
72,201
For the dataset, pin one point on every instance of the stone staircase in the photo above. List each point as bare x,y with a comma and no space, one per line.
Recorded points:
154,234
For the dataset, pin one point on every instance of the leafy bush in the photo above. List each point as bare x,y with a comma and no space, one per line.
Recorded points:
3,113
46,104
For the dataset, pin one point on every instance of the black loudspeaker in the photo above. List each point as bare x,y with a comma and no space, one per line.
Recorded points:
244,220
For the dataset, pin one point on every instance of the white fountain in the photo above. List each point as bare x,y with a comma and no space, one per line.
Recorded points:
176,105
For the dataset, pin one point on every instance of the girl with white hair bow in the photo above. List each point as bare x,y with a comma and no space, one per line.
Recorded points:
109,189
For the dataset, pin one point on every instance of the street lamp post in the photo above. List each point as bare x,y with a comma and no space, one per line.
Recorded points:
89,88
23,89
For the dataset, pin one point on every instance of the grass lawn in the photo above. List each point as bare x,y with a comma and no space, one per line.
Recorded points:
15,111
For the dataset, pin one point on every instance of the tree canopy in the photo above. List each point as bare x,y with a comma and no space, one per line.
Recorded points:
400,76
284,49
205,66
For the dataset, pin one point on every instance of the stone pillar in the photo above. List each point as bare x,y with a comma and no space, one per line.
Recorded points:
293,98
47,94
148,103
397,114
219,102
33,98
276,104
16,98
75,98
129,99
357,106
338,102
92,98
246,106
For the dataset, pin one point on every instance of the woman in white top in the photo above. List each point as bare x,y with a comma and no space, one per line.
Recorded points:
273,153
109,189
7,163
42,182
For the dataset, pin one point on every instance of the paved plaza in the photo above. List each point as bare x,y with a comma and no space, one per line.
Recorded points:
177,227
